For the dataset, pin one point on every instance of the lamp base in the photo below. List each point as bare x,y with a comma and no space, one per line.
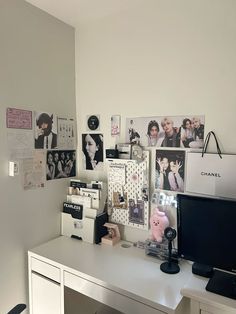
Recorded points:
170,268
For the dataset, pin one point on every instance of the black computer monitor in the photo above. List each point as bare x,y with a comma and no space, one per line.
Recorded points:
207,236
207,231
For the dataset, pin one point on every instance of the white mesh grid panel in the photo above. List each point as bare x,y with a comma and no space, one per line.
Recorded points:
136,178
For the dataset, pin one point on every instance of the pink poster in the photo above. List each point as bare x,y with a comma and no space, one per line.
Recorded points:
19,119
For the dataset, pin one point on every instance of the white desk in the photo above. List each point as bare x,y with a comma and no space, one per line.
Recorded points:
122,278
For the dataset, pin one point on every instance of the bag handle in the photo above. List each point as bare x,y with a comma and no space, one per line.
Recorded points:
206,144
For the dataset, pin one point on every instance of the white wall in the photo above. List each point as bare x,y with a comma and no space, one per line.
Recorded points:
162,57
37,73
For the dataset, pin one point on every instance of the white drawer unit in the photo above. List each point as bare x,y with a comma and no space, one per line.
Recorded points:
46,295
44,287
45,269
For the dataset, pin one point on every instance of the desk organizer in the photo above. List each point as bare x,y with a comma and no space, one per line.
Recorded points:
83,214
160,250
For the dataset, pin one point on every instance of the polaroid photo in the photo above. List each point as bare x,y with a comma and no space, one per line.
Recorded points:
119,200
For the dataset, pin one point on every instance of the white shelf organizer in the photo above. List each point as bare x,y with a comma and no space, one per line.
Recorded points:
131,177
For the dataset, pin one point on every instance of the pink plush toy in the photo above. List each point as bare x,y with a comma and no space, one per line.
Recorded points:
158,222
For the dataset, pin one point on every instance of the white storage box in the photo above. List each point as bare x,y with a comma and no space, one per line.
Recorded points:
83,228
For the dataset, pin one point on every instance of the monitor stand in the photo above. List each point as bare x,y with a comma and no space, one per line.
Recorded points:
222,283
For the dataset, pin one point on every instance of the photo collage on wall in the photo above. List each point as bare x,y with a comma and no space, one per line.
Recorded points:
171,132
57,136
45,144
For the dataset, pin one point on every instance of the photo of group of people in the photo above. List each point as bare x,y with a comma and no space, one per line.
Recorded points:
60,164
177,131
170,170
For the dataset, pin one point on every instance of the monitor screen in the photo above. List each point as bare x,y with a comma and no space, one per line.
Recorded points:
207,231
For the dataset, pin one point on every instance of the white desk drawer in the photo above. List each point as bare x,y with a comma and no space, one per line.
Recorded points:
107,296
45,269
46,295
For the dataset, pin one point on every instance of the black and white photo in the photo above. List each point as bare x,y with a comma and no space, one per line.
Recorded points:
92,146
45,130
60,164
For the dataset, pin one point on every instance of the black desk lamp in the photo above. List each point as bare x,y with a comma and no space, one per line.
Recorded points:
170,267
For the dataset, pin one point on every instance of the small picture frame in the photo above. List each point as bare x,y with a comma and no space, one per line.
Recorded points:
145,193
119,200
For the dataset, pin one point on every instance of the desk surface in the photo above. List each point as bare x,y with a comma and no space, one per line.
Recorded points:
128,271
125,270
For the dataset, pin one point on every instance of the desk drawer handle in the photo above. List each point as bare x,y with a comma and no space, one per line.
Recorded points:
38,274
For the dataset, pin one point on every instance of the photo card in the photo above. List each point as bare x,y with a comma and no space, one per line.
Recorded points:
119,200
136,211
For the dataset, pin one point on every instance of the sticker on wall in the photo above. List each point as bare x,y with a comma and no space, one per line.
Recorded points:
117,173
115,125
93,123
66,133
33,171
19,118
